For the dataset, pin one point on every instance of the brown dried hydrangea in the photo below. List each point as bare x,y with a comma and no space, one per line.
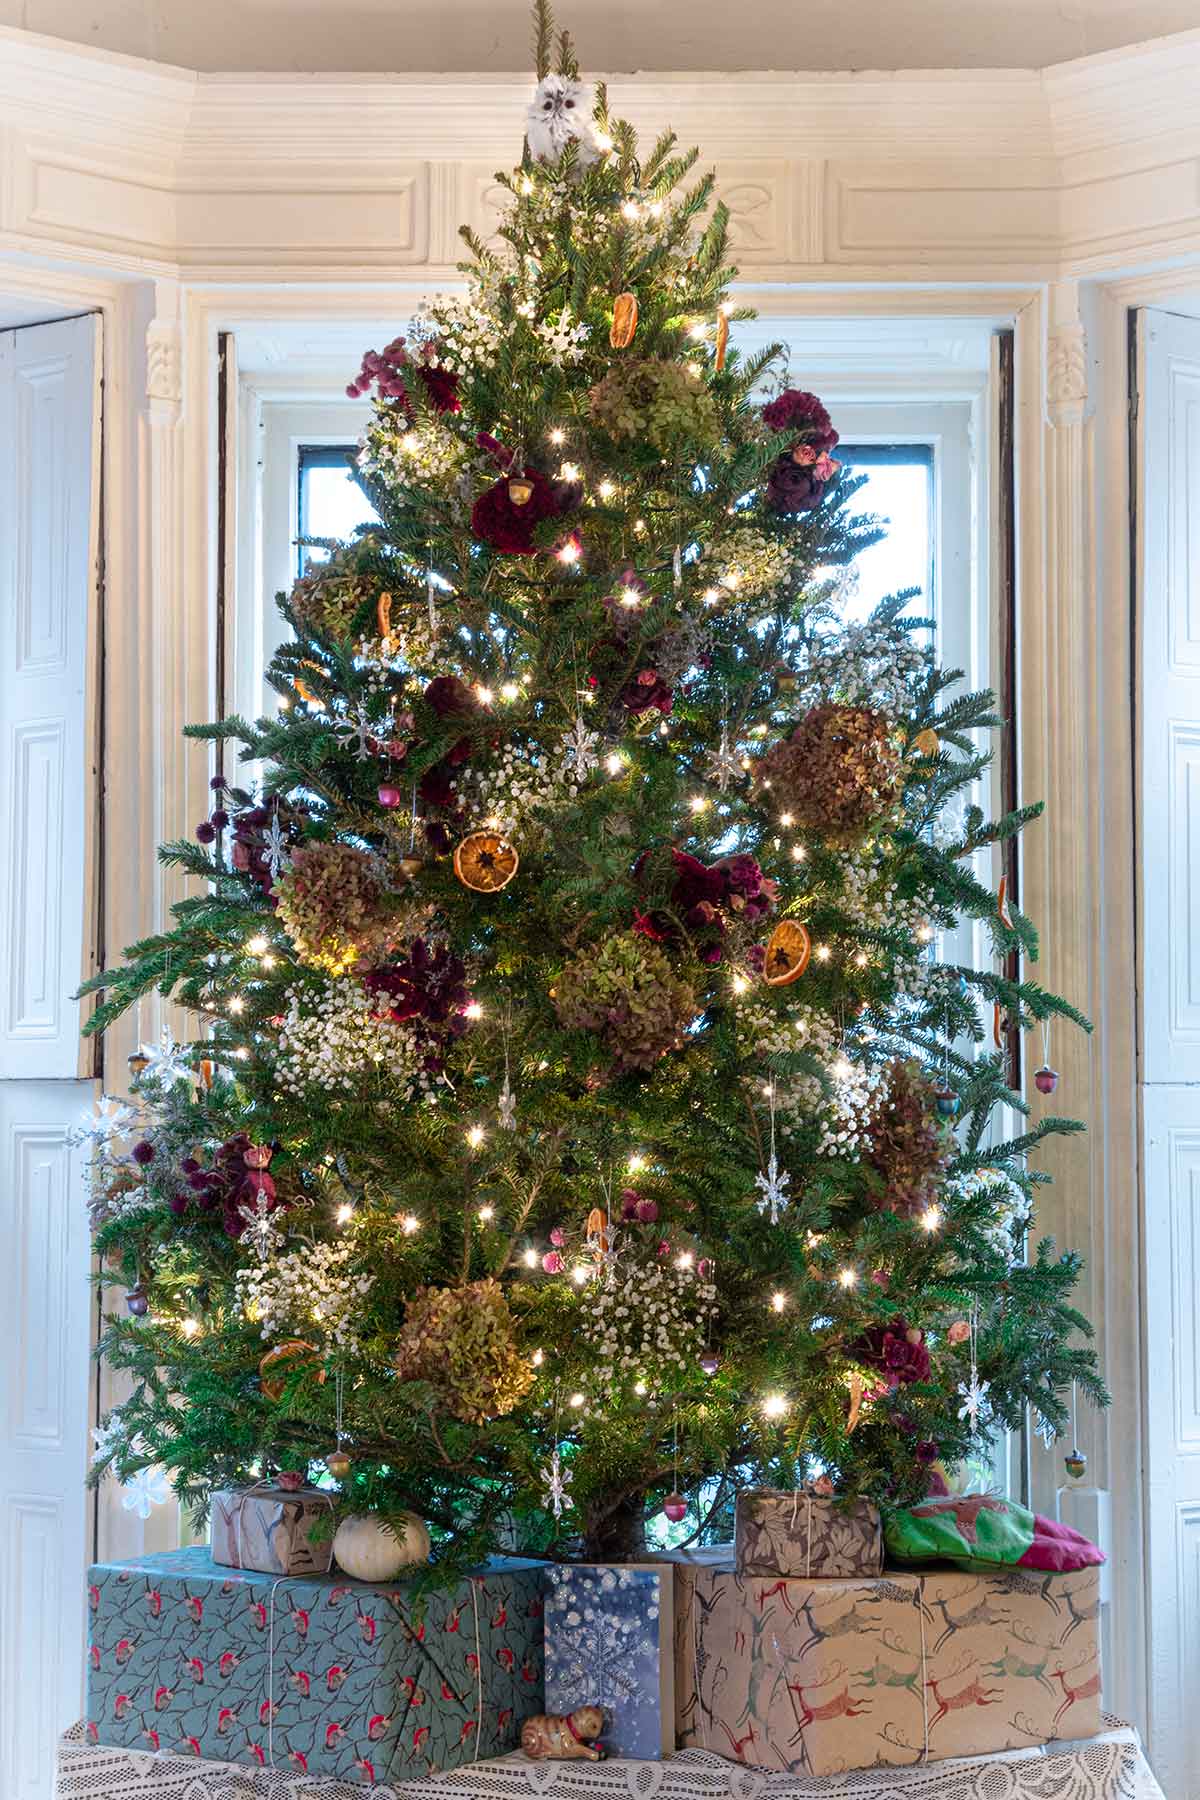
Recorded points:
907,1145
839,772
327,597
626,991
463,1343
332,903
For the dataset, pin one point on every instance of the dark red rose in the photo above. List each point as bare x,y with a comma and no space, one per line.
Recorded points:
647,692
499,522
927,1451
437,786
803,413
429,985
437,836
446,694
442,387
899,1355
793,488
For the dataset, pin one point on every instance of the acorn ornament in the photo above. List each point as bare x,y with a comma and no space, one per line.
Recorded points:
138,1062
710,1362
1045,1079
137,1301
338,1464
947,1103
520,490
675,1508
1075,1463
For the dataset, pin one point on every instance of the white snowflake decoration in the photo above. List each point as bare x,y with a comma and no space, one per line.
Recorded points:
773,1187
111,1119
276,856
580,749
559,115
107,1438
356,731
261,1233
556,1479
974,1395
144,1491
724,766
166,1060
506,1108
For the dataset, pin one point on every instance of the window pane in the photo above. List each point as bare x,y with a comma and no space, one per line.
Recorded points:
332,505
898,489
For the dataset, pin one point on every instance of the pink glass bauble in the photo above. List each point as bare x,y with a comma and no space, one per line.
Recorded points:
675,1508
390,796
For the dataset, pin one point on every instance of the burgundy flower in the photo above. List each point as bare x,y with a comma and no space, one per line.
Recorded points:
446,694
220,818
386,370
792,488
437,836
437,786
927,1451
428,985
629,1203
647,692
143,1153
497,520
795,410
442,387
899,1354
205,833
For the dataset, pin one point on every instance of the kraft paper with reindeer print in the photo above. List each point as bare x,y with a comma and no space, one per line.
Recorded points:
819,1677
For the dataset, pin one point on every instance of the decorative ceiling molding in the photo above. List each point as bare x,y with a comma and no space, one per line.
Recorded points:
936,176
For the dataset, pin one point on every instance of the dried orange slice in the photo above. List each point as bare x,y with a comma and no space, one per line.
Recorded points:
927,743
722,342
277,1364
485,862
383,614
624,321
788,950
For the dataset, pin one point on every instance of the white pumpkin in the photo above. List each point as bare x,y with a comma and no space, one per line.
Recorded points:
369,1550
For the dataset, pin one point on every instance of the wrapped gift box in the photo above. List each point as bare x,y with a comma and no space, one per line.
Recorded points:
798,1532
609,1643
313,1674
268,1529
822,1677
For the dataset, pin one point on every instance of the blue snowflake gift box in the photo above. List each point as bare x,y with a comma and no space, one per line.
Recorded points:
312,1674
609,1643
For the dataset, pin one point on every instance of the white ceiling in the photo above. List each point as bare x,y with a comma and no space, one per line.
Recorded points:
455,36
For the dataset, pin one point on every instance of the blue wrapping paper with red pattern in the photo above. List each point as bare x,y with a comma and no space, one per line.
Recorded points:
314,1674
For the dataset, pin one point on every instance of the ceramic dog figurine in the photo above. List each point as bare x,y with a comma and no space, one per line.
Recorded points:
564,1736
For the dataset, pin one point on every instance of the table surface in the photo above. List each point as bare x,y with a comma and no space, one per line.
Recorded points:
1111,1766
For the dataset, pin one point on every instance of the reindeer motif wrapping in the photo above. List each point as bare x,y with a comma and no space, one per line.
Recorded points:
821,1677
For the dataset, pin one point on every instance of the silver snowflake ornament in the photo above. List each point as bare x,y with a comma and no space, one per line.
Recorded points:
277,856
356,732
111,1119
974,1395
261,1233
580,749
724,767
556,1480
166,1060
773,1187
1046,1430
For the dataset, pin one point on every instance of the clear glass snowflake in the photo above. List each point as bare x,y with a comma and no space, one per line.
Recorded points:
974,1394
277,855
506,1108
556,1480
111,1119
580,748
261,1233
107,1438
724,766
166,1060
1046,1430
773,1187
144,1491
356,732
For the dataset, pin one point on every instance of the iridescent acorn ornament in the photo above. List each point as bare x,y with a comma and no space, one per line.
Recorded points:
947,1103
1075,1463
1045,1079
137,1301
675,1508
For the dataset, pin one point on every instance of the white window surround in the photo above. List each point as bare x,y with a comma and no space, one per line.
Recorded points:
1052,203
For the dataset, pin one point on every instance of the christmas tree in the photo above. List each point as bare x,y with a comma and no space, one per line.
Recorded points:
578,1113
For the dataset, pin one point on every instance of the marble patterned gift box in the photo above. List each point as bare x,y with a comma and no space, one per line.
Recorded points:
314,1674
821,1677
797,1532
269,1530
609,1644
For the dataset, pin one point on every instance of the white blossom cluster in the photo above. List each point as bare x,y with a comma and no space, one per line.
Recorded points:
425,452
1011,1208
872,900
841,1119
745,562
409,647
547,201
647,1321
764,1031
521,783
331,1038
316,1289
868,664
464,331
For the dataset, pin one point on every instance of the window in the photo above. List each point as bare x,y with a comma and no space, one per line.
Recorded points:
329,501
898,487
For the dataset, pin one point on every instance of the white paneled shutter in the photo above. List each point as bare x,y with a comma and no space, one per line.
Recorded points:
49,456
1168,707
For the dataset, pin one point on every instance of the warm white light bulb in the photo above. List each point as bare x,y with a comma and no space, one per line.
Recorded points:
698,803
614,763
823,953
636,1162
510,691
237,1005
268,961
242,1053
538,1358
410,1223
630,597
579,1274
798,853
842,1069
848,1277
345,1213
257,945
484,695
631,211
740,984
924,934
710,596
557,436
606,489
684,1260
639,1387
785,819
931,1218
474,1011
190,1327
569,552
531,1259
475,1136
486,1214
576,1400
774,1406
778,1301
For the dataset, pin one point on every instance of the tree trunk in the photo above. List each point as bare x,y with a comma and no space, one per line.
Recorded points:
619,1535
